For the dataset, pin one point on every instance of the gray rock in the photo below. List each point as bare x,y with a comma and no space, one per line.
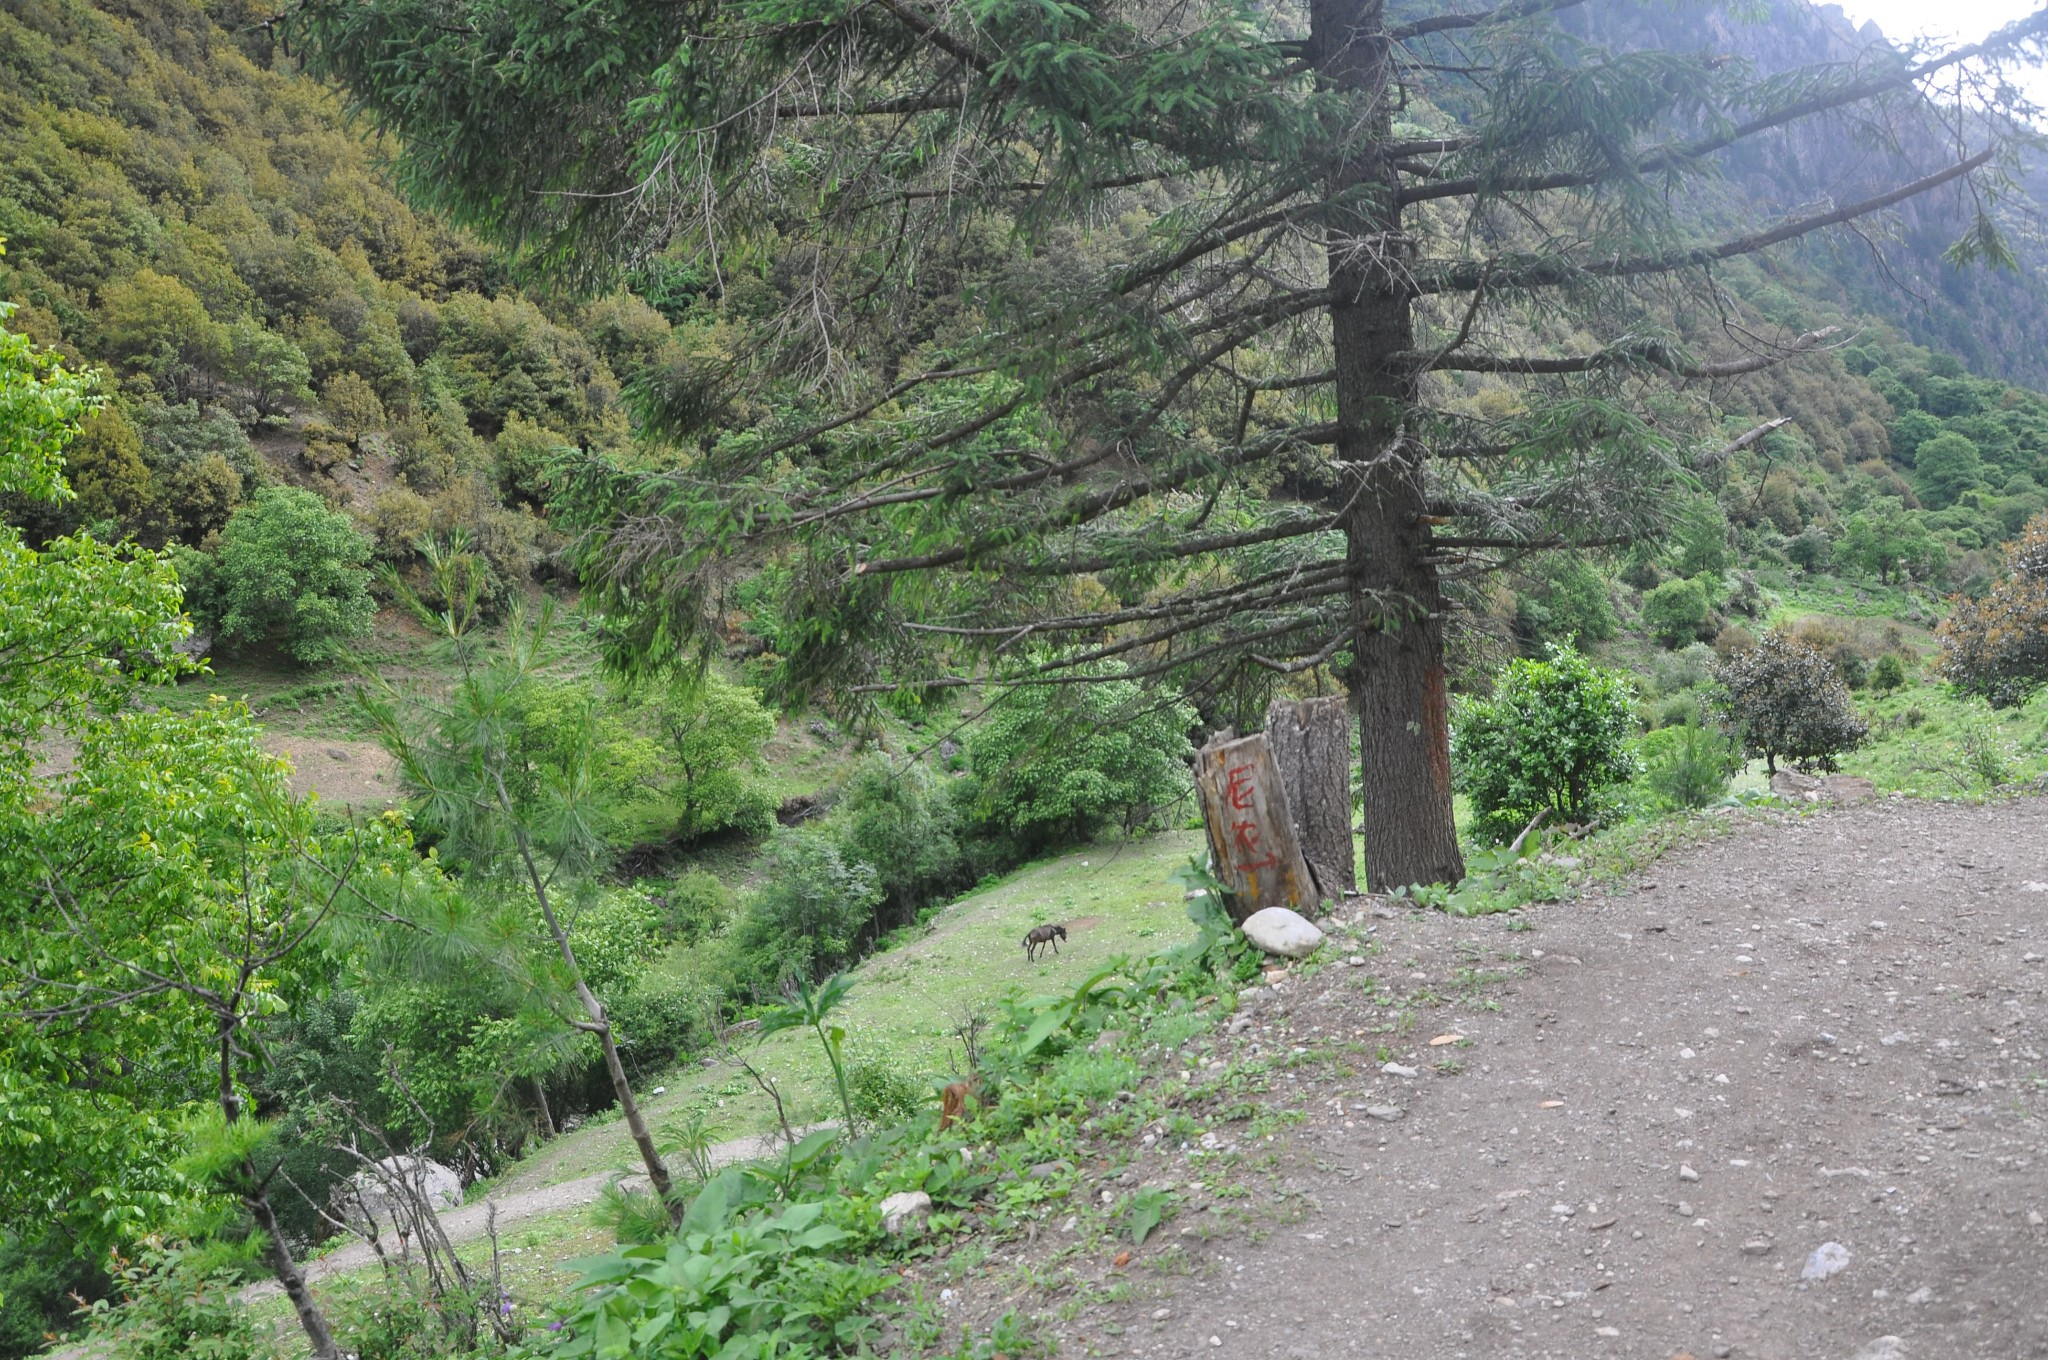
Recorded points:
1045,1171
1829,1258
1686,1173
1287,934
373,1196
1884,1348
1756,1247
901,1212
1386,1112
1239,1024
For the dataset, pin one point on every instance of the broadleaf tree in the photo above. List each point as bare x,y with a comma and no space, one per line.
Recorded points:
1043,341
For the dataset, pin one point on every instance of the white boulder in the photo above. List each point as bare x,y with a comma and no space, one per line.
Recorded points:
368,1197
1286,933
901,1212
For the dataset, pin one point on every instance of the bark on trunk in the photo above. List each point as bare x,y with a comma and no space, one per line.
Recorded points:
1397,605
629,1108
1311,742
293,1280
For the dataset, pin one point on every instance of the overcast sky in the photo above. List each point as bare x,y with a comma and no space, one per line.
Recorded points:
1948,22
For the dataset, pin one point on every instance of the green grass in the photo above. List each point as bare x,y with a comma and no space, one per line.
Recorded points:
1114,899
1958,748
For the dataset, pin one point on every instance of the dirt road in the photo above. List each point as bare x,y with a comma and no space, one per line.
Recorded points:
1826,1029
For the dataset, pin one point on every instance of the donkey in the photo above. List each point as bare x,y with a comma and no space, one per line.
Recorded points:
1041,936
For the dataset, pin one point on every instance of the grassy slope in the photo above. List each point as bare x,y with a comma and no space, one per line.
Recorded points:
1114,899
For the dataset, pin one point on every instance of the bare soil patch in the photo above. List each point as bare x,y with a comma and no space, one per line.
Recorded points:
359,774
1827,1028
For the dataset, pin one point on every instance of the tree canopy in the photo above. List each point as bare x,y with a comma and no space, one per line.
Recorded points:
1213,340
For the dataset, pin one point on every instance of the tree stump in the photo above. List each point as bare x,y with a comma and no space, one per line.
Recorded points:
1311,743
1251,833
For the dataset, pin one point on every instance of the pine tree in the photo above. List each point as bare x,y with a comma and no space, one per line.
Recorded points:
1123,339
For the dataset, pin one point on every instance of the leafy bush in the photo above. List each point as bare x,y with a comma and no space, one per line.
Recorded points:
756,1283
898,817
882,1095
1056,763
807,916
713,732
1888,674
1571,603
659,1017
696,906
1782,698
294,573
1688,766
1997,647
177,1303
1553,737
1678,611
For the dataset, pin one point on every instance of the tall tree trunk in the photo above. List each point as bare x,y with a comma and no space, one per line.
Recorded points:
1397,604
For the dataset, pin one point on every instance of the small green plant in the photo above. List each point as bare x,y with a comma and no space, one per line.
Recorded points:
1689,766
176,1302
1888,674
1145,1211
810,1009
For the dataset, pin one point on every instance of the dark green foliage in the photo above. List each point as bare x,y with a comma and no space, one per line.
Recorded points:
37,1278
1571,603
1947,466
1812,551
1054,764
1888,674
1783,698
292,573
883,1096
1678,611
1688,765
178,1303
1553,737
694,907
808,915
1887,540
900,818
1701,535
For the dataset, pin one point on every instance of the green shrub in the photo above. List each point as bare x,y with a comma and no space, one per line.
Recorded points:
695,906
1553,737
1571,603
659,1018
177,1303
1057,763
1997,647
1678,611
1688,766
898,817
883,1096
1783,698
713,732
294,573
808,915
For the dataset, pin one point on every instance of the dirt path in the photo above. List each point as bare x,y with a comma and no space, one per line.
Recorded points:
471,1221
1823,1029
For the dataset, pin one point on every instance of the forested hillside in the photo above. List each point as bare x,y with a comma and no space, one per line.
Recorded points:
751,475
185,209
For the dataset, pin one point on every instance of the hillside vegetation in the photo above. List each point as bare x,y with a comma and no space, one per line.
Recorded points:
556,574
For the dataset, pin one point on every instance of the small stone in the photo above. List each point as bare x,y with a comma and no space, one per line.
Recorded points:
1884,1348
336,753
1239,1024
1687,1054
1288,934
1686,1173
1394,1069
2030,958
1828,1258
1563,1210
1895,1038
1602,1224
1723,1351
2034,1219
1383,913
1215,1340
1607,1331
1921,1295
1387,1112
1685,1209
1045,1171
903,1211
1161,1314
1355,961
1756,1247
